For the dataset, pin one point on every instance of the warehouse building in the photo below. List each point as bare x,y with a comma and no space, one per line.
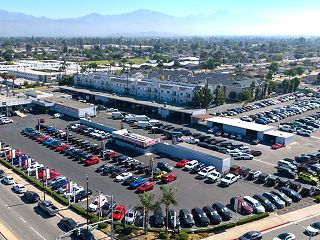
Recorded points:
264,133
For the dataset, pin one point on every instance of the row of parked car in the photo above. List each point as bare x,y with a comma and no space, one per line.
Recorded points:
89,131
5,120
258,105
303,126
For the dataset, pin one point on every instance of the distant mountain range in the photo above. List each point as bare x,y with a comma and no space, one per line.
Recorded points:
137,23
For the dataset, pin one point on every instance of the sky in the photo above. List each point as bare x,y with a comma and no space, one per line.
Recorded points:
77,8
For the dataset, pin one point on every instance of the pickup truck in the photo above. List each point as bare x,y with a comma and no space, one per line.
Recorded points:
48,207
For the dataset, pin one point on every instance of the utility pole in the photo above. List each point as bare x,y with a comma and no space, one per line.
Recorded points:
111,233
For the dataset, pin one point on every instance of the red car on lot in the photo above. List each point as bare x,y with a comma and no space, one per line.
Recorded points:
169,177
53,174
147,186
111,154
277,146
182,163
92,160
241,205
119,212
43,138
63,146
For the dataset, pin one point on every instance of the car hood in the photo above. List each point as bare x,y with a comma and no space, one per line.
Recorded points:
312,229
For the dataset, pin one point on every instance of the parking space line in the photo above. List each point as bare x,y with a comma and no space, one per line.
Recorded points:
23,220
38,233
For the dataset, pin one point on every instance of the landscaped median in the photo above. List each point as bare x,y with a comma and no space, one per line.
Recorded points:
120,227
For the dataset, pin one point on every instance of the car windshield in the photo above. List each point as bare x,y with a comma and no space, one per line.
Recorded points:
244,204
283,235
227,177
130,215
316,225
117,212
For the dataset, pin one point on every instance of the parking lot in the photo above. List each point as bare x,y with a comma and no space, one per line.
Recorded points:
185,184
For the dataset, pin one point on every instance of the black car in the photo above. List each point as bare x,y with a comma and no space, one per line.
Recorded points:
118,172
295,186
158,218
306,169
109,170
32,197
263,178
82,195
296,197
212,214
84,234
171,217
200,217
2,173
197,168
68,223
186,218
286,172
106,209
223,211
272,180
269,206
101,168
282,196
252,235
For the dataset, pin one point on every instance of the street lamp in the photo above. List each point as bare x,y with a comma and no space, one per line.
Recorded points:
87,201
309,233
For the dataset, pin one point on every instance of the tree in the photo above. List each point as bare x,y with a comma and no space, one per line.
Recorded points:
290,72
13,77
295,84
93,66
197,97
246,96
7,55
272,86
318,79
269,75
219,97
28,47
232,95
252,89
274,67
167,198
299,70
202,96
285,86
66,80
146,204
5,77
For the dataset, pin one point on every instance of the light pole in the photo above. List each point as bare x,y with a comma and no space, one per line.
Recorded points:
309,233
87,201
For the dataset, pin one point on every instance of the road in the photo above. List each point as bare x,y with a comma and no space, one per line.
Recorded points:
24,220
296,228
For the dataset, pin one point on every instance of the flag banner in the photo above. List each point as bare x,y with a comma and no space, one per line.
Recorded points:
37,173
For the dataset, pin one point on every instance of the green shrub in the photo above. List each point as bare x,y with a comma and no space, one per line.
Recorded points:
183,236
163,235
103,225
317,199
252,218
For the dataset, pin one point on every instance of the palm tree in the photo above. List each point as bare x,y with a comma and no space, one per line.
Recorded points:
13,77
167,198
147,203
93,66
5,77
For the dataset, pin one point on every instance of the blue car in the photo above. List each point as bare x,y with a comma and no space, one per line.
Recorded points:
59,184
261,121
138,182
51,129
48,141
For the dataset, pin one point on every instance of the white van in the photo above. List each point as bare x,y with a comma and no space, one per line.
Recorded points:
141,118
286,164
129,118
117,115
258,208
143,124
154,122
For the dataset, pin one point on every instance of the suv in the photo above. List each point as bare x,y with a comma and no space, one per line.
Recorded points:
307,177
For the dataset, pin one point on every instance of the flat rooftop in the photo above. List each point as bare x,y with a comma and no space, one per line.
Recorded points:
236,122
203,150
131,100
134,137
277,133
68,102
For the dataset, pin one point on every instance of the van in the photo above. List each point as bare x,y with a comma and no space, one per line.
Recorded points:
141,118
283,163
129,118
117,115
143,124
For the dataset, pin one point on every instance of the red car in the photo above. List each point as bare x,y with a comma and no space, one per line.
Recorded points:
182,163
255,153
91,161
277,146
169,177
241,205
43,138
119,212
147,186
53,174
110,155
62,147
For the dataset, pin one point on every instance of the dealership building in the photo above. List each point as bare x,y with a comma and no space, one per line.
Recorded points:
264,133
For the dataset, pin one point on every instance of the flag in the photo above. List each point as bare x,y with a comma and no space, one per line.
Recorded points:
98,201
20,162
37,176
44,173
67,185
47,173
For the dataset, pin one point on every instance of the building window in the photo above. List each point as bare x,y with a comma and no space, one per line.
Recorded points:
188,95
181,94
162,91
168,92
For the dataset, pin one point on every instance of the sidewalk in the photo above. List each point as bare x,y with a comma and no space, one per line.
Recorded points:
6,233
63,210
270,222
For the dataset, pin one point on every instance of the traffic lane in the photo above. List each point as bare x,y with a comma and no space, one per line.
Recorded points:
26,220
294,228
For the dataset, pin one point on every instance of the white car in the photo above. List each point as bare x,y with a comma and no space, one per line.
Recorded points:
19,188
56,179
229,179
244,156
63,189
255,204
6,120
191,140
244,149
304,132
73,127
56,115
75,191
130,216
94,205
214,176
123,176
285,236
314,228
190,165
234,153
206,171
8,180
34,167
